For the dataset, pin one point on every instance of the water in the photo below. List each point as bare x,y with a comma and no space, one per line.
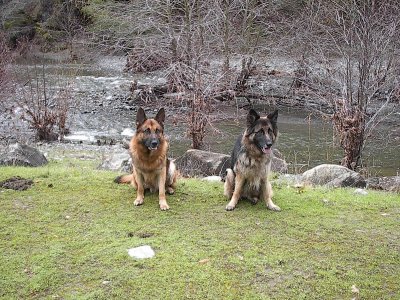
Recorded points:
305,140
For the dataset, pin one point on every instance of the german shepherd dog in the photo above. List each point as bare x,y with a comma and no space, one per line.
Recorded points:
251,162
151,169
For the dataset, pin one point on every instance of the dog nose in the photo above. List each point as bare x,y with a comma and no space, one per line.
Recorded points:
154,144
269,144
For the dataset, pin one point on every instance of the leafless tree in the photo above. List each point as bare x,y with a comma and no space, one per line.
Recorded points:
353,45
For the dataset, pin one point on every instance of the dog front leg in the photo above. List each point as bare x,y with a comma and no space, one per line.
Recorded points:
266,194
239,181
161,190
140,189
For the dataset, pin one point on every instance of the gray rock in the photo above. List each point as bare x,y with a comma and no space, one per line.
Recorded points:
21,155
288,179
333,176
277,153
390,183
199,163
360,192
213,178
279,165
119,160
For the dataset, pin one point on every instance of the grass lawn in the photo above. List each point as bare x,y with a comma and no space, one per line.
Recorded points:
67,238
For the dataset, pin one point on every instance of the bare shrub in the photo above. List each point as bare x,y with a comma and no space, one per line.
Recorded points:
45,108
353,49
146,58
42,103
180,77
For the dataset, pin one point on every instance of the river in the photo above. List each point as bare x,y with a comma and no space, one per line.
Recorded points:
102,112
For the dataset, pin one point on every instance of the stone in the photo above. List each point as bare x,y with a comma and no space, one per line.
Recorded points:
360,191
333,176
21,155
288,179
199,163
389,183
119,160
279,165
213,178
141,252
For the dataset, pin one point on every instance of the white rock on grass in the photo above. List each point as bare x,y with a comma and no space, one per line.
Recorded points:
360,192
213,178
141,252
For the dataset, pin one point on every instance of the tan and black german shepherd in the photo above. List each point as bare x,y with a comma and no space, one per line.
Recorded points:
151,168
251,162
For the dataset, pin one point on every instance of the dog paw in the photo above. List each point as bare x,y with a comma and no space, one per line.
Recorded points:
164,206
229,207
274,207
138,202
170,191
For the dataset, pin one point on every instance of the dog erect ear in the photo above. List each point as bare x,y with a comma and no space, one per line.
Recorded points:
160,117
273,117
140,117
252,116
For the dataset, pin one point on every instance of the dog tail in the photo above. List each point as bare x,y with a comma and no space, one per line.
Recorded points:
124,179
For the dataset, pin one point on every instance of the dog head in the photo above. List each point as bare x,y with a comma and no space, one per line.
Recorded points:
262,131
150,131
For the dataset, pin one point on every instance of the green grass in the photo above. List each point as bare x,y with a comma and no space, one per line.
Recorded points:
67,237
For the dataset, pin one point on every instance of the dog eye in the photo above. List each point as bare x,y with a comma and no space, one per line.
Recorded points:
158,131
147,131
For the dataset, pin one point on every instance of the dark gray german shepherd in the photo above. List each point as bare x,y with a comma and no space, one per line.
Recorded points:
251,162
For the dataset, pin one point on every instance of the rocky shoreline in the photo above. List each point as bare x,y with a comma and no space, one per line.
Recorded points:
103,113
205,164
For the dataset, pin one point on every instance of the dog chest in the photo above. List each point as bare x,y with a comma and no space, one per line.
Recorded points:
252,167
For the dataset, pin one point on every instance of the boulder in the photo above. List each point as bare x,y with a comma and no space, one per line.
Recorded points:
199,163
333,176
279,165
117,161
21,155
288,179
390,183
